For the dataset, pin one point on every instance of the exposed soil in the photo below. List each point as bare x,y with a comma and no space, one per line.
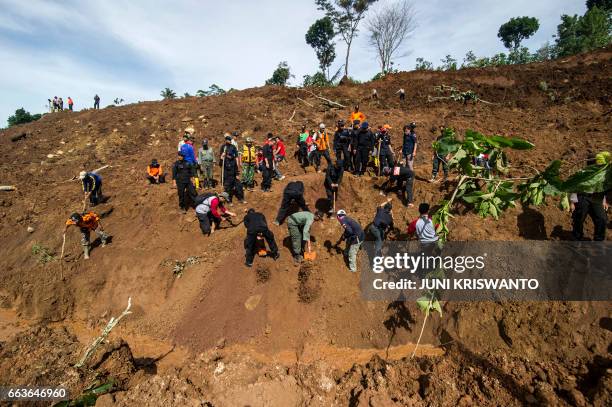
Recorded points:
280,334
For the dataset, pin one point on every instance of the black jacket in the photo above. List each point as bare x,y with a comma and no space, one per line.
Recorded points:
268,154
341,138
294,188
385,142
255,222
333,175
365,139
182,171
383,219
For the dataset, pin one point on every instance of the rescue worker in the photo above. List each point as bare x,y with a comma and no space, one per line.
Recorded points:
357,115
96,102
206,161
402,94
385,154
211,210
92,187
354,132
399,175
303,147
382,224
353,235
268,164
365,143
188,151
333,179
323,146
70,103
230,163
592,204
279,157
423,226
293,193
249,161
409,145
87,223
257,227
299,224
342,143
438,159
183,174
155,174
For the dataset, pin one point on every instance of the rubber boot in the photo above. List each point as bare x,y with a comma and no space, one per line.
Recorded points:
86,252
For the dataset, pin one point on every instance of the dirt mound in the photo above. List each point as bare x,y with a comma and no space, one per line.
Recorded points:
207,329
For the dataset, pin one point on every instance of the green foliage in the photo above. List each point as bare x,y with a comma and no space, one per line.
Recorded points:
441,218
520,55
118,101
89,396
281,75
320,36
45,255
448,64
186,95
544,53
213,90
316,80
535,190
423,65
21,116
593,178
168,93
578,34
516,30
601,4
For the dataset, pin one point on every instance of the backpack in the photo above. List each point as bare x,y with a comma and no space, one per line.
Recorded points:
201,198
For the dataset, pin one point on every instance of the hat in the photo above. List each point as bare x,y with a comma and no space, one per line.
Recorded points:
189,130
154,161
249,140
411,125
356,122
364,125
235,134
224,195
341,212
322,125
387,127
82,174
75,217
228,138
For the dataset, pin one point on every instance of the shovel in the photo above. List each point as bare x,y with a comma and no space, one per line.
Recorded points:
61,259
310,255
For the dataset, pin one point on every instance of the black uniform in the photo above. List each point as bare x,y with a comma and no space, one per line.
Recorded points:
400,175
268,169
591,205
294,192
386,152
182,172
231,183
342,142
333,175
365,142
255,224
383,222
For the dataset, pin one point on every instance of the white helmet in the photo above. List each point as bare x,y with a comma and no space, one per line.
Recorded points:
341,212
322,126
82,175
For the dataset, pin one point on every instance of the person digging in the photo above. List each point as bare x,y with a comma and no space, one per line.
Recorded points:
257,230
87,223
333,179
299,225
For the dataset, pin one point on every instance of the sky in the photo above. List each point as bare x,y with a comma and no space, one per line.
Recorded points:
133,49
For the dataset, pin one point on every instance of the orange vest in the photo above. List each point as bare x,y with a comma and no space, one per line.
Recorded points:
154,171
322,141
90,221
358,116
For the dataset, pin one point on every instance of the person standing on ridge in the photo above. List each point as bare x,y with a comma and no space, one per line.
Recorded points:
353,236
423,226
438,159
257,226
342,143
96,102
87,223
279,157
70,104
303,147
402,94
323,146
409,146
365,143
206,160
183,174
386,158
268,164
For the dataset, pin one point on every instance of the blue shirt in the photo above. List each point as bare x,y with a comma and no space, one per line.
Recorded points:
353,233
188,153
410,141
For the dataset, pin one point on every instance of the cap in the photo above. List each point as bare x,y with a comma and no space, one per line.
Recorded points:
235,134
154,161
341,212
322,125
82,174
224,195
387,127
412,125
364,125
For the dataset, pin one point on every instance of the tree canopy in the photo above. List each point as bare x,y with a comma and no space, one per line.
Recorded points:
168,93
281,75
320,36
516,30
22,116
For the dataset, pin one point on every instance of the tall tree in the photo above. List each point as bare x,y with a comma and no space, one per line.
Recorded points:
320,36
389,28
578,34
281,75
601,4
516,30
346,16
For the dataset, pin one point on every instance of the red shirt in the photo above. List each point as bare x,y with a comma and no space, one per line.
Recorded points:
280,146
216,209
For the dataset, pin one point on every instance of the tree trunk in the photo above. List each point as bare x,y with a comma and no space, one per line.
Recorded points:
348,52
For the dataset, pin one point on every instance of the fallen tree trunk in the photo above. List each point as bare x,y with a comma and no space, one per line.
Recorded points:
7,188
325,99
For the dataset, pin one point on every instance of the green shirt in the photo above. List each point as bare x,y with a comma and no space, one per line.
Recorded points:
303,137
304,219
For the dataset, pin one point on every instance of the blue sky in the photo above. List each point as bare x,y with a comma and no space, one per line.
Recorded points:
133,49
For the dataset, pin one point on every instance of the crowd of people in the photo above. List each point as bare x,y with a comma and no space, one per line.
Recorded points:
57,104
356,149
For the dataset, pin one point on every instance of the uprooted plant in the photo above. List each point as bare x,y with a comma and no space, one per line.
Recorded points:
484,184
451,93
427,303
44,254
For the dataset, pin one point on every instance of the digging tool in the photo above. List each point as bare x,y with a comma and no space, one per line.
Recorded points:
222,167
378,151
309,255
334,203
61,259
84,204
